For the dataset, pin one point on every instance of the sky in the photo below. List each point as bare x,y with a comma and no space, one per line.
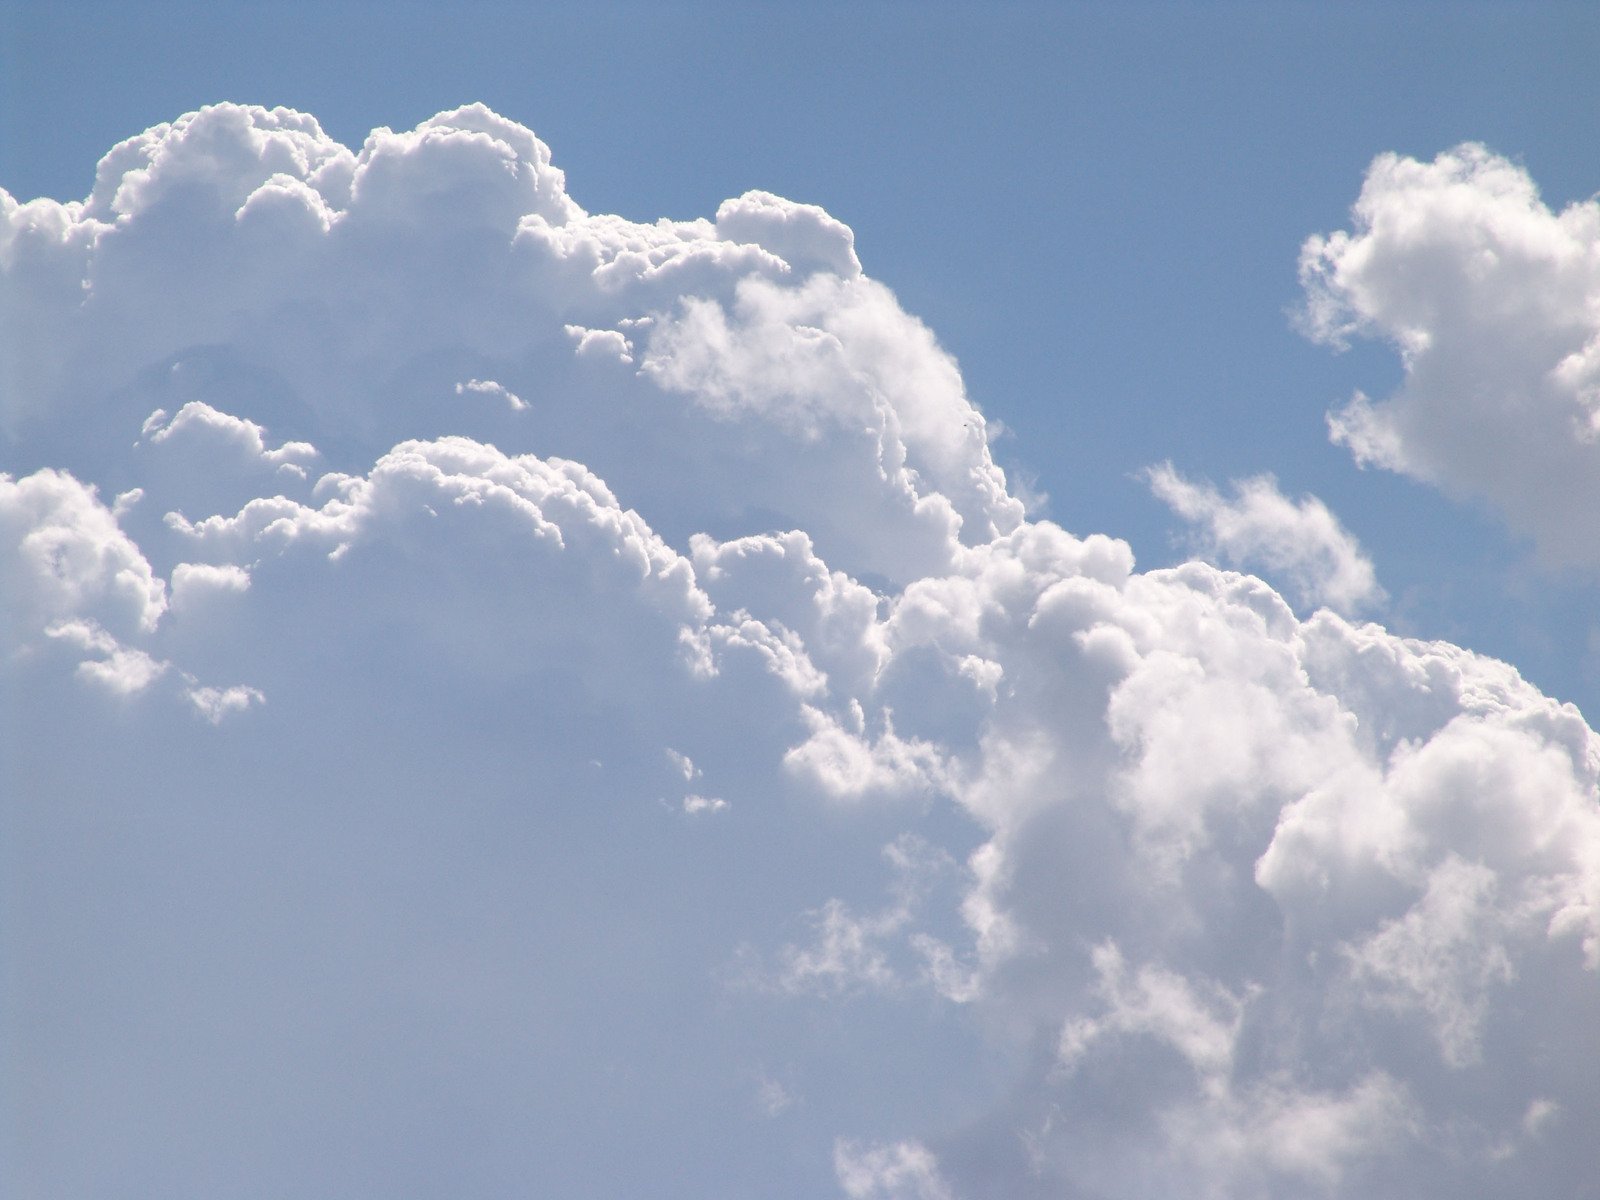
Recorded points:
870,601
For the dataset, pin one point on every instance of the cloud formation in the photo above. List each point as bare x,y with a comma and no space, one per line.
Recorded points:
559,623
1300,543
1491,299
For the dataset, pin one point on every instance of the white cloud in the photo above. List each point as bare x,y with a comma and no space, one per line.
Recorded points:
1168,748
66,557
1187,895
694,804
216,703
851,954
121,670
846,954
488,387
1443,957
199,418
736,353
193,583
1299,543
1492,301
1158,1003
1283,1140
803,235
601,344
898,1171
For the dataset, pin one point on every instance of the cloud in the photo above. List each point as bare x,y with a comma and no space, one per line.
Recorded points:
216,703
121,670
1490,298
246,436
1227,846
1160,1004
67,557
361,729
852,953
772,1098
901,1171
193,584
803,235
488,387
1301,543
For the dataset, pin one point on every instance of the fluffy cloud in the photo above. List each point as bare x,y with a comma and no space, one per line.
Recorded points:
1301,543
902,1171
519,631
1491,299
67,557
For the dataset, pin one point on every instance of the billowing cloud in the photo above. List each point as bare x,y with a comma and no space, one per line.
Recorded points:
1242,866
1300,543
1493,302
543,679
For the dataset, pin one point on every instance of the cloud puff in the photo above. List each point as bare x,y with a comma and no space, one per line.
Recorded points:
67,557
1301,543
803,235
1491,300
1185,894
902,1171
192,583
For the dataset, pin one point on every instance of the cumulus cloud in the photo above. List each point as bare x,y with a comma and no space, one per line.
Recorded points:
1186,894
1490,298
194,583
1300,542
1176,751
67,557
225,429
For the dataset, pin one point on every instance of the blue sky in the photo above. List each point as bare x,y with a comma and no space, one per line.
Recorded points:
765,866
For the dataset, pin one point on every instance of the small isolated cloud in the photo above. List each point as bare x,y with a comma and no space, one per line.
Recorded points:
488,387
214,704
694,804
683,765
1297,542
1492,301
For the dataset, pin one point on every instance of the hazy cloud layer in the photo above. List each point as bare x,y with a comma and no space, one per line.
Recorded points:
555,699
